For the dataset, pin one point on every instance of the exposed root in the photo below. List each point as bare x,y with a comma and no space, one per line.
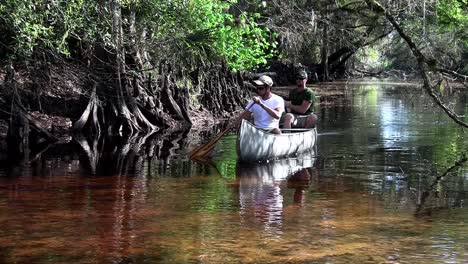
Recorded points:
90,115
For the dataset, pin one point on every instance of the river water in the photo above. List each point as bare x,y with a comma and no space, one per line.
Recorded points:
382,187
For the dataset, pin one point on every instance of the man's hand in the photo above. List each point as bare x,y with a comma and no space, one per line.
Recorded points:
256,99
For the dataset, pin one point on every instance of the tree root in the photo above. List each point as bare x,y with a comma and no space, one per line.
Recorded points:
90,115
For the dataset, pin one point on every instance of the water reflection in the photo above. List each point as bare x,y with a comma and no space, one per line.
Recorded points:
85,201
260,189
114,156
140,200
424,206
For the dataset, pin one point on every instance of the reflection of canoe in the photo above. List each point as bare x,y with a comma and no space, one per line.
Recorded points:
276,170
261,188
254,144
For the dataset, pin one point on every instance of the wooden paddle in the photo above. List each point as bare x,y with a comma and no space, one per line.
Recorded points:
200,152
203,150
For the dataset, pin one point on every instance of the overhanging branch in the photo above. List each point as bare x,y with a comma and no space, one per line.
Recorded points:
421,59
460,77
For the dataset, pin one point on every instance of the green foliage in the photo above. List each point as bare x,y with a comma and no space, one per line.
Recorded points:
453,13
398,56
453,17
243,46
191,31
196,32
200,30
47,24
372,58
442,36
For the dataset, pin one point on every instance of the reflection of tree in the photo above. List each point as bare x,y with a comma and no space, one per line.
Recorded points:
128,155
433,188
98,216
90,150
169,147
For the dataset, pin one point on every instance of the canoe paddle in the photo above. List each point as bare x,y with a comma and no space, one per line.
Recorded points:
200,152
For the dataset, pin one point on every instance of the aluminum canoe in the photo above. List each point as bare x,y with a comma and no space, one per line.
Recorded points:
254,144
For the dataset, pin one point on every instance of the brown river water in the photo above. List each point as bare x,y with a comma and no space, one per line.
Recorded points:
381,187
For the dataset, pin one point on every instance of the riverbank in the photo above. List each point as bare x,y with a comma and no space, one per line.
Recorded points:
328,94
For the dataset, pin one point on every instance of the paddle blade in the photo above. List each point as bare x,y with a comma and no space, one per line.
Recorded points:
199,153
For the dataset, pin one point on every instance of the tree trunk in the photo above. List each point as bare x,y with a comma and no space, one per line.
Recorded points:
90,116
324,53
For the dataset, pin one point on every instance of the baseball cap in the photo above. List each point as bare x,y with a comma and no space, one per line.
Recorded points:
301,75
264,80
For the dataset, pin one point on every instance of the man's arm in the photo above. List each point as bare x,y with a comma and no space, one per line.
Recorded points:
307,102
244,115
300,109
275,113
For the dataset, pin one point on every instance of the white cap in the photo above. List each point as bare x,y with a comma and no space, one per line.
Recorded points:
264,80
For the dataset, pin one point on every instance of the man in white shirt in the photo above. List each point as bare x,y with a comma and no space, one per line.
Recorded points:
266,108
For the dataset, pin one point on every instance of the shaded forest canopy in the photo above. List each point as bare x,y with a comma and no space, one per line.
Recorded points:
124,66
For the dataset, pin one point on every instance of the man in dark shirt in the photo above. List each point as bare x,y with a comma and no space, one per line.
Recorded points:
300,105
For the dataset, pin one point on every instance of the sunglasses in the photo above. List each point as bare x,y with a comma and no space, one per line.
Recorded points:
260,87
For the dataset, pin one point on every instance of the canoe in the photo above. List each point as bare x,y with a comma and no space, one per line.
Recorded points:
254,144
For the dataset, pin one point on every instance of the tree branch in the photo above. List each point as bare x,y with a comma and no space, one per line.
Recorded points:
423,62
457,75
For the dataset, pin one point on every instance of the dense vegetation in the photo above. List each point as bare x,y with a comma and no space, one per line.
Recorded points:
140,61
136,60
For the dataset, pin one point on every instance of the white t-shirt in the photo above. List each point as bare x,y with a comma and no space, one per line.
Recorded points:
261,117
